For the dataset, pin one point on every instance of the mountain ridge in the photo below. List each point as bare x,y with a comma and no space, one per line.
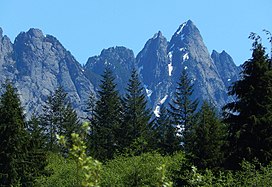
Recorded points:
38,63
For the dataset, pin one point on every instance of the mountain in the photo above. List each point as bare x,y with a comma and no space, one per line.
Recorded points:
226,67
7,62
119,59
38,64
152,62
161,62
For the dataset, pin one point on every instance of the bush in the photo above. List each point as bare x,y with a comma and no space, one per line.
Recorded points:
63,172
149,169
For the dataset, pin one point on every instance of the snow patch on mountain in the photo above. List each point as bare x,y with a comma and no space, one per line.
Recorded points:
148,91
170,69
181,28
181,49
185,57
157,111
163,99
170,55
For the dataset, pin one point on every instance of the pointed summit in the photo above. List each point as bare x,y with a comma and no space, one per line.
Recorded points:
186,28
35,32
158,35
226,67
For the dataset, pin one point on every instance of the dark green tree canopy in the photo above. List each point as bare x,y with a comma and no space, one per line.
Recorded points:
250,115
167,139
207,138
107,119
58,118
182,108
14,167
136,114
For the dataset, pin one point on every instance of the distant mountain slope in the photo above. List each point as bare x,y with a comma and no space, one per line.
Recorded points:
120,59
38,64
226,67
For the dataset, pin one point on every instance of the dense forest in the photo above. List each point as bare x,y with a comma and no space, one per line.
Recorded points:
121,143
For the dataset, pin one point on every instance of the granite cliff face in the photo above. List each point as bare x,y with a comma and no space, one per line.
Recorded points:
153,63
38,64
161,63
226,67
189,52
7,63
119,59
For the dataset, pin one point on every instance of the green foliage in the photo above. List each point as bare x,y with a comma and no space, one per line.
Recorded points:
182,108
206,139
36,148
105,127
250,115
251,174
89,167
58,118
91,103
148,169
62,172
84,169
136,115
167,141
14,167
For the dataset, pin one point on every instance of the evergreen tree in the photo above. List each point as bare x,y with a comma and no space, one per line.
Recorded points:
13,140
105,127
36,148
207,139
58,118
166,136
182,108
91,103
136,115
250,115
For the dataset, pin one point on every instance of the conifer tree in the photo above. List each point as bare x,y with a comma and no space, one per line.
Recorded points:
58,118
91,103
13,140
167,140
182,108
207,139
136,114
250,115
105,127
36,148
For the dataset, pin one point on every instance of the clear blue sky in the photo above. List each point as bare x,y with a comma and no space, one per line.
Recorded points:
85,27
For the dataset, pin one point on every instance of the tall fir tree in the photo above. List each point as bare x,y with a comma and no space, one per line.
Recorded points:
136,114
166,135
36,148
207,139
14,170
105,126
182,108
250,115
58,118
91,103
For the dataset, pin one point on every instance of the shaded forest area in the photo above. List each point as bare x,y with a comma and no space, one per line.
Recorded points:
121,144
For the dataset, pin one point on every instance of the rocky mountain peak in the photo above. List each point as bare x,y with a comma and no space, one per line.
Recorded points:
226,67
37,33
158,35
39,63
119,59
42,64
